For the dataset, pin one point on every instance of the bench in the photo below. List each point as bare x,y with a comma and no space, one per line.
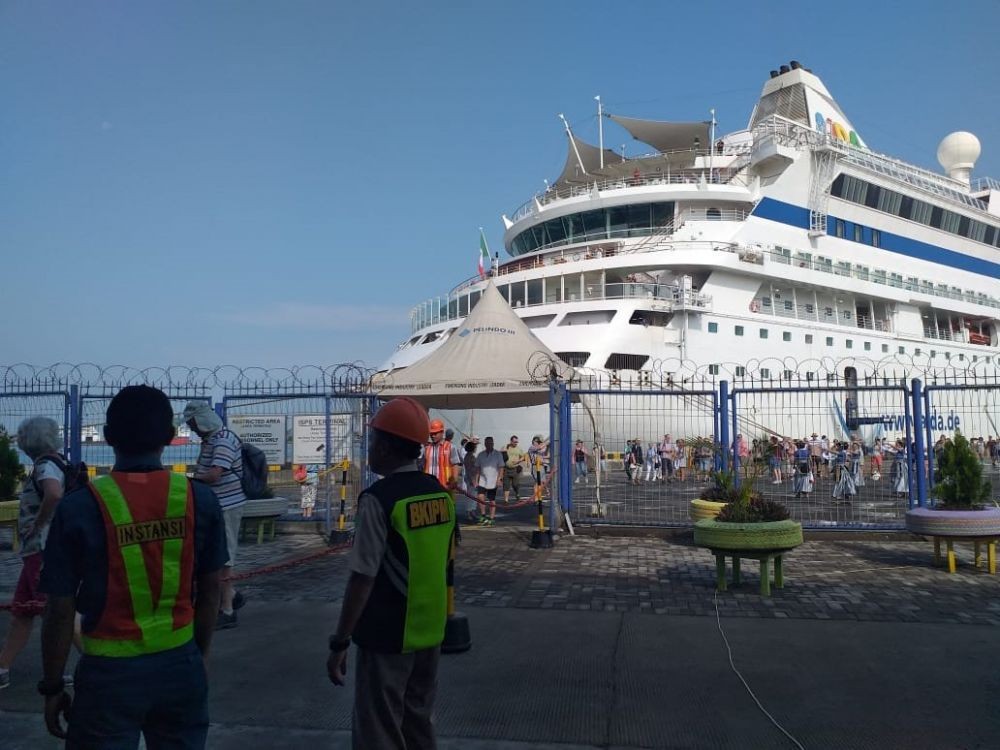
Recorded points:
262,515
8,517
977,542
763,556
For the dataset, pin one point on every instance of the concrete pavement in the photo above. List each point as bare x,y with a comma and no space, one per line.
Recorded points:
614,643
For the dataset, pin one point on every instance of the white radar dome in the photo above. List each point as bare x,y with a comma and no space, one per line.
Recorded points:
957,153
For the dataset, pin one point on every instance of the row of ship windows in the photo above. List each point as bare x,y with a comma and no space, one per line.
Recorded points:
848,343
889,201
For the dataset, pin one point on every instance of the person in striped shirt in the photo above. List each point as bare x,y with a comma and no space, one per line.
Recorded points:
220,466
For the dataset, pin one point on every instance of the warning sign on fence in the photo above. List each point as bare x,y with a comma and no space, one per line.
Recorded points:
264,432
309,438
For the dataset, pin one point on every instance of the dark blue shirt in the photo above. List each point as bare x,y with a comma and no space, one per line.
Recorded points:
76,554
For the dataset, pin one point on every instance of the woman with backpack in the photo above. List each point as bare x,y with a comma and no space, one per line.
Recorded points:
38,437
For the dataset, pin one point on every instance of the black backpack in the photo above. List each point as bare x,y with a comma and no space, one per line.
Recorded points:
75,474
254,478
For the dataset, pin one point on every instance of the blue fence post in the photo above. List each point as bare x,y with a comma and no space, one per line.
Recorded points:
722,435
555,434
919,448
566,451
929,438
328,457
73,426
732,437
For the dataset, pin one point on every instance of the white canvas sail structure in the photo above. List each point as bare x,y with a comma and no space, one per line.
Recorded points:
492,361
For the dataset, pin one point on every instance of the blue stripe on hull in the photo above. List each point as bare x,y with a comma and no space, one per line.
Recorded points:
796,216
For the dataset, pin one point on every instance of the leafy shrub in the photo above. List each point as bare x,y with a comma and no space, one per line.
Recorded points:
958,479
757,510
11,470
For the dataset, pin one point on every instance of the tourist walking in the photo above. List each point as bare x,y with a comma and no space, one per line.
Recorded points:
470,476
405,530
877,450
774,456
668,452
580,462
489,470
515,461
38,438
900,476
844,488
220,466
138,553
651,463
802,482
681,460
856,462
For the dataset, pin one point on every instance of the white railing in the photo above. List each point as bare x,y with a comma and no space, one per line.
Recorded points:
689,176
665,297
802,136
982,184
756,255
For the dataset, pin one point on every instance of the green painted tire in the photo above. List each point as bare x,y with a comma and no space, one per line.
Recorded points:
748,536
701,509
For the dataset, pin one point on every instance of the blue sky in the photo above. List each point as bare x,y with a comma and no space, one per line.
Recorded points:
278,183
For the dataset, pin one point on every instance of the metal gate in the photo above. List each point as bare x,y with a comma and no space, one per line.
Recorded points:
865,429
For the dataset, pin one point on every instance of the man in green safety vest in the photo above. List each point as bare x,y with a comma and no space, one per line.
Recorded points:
396,602
138,554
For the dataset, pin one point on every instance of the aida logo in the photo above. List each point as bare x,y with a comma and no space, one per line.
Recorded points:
836,130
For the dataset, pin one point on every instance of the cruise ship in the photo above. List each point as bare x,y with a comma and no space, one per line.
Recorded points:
787,250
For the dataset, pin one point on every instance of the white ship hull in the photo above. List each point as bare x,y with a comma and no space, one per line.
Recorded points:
788,254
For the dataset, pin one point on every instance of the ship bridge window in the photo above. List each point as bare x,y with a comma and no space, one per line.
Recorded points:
587,318
432,336
574,359
713,214
626,361
638,219
650,318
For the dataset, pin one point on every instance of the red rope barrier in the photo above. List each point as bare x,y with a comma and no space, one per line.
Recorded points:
252,573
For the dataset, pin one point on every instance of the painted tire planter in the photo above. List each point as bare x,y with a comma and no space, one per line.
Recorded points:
953,522
701,509
769,535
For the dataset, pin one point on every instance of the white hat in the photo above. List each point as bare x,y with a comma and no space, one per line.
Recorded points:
204,417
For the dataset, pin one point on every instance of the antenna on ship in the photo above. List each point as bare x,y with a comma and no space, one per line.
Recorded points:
711,149
600,129
572,142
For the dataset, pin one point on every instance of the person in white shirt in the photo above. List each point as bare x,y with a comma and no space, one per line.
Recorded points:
490,466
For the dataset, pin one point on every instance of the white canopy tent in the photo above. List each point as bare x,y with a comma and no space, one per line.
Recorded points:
491,361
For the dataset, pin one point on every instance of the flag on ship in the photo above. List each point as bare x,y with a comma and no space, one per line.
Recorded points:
484,254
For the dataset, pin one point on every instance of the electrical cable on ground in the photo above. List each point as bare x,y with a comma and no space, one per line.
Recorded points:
732,665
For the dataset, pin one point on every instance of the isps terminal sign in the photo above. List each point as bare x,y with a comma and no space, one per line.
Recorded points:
265,432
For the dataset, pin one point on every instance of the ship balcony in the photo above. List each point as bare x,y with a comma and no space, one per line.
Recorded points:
659,297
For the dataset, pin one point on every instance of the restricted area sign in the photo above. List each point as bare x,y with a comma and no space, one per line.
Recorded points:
309,438
265,432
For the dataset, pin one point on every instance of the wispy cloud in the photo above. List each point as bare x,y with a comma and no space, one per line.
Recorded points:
320,317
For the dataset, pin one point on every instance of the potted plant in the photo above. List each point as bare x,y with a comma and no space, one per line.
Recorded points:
748,526
11,475
963,507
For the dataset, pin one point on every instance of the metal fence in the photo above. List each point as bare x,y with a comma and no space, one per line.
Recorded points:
883,430
971,404
637,453
337,399
845,429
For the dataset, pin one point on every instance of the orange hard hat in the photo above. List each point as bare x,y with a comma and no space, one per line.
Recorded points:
404,418
437,426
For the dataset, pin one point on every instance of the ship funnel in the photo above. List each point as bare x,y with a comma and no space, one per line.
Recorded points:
774,74
784,69
795,64
957,154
